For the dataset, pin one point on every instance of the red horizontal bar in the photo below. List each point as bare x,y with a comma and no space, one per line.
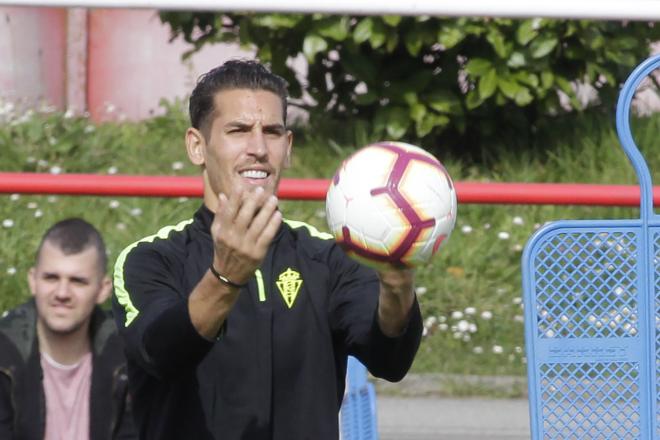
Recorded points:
315,189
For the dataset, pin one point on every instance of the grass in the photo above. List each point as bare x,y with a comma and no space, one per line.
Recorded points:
470,295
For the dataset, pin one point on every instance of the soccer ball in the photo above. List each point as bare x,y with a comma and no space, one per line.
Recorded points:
391,204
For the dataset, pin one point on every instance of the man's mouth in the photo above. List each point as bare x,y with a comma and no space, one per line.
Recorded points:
254,174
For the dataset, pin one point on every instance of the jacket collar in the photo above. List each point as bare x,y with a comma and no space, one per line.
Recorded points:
20,326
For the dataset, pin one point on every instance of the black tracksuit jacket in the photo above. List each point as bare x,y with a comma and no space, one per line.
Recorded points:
277,370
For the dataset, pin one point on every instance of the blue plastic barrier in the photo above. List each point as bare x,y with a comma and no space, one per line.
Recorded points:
358,410
592,315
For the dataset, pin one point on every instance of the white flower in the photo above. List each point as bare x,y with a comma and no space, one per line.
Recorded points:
52,199
519,318
497,349
32,205
430,321
503,235
443,327
14,197
466,229
516,300
110,108
38,213
456,314
421,290
517,247
55,169
178,165
457,335
11,270
487,226
477,350
112,170
517,220
470,310
183,199
424,332
462,326
42,163
442,318
518,349
466,337
89,129
68,114
5,313
121,226
487,315
136,212
7,223
472,328
52,140
114,204
319,213
537,225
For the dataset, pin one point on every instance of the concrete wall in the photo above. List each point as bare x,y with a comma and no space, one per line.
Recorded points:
114,63
132,64
32,54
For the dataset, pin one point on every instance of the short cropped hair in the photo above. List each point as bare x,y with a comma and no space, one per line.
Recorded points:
233,74
75,235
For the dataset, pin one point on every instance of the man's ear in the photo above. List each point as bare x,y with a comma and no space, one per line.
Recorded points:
105,290
195,146
32,280
287,161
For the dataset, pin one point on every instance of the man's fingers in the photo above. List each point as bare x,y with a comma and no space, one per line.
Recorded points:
261,229
228,206
252,202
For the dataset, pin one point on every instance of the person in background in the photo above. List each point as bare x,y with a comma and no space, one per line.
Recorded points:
62,367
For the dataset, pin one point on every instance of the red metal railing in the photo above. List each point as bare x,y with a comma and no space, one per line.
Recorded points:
314,189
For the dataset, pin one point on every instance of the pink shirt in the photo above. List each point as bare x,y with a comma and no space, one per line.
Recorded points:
67,398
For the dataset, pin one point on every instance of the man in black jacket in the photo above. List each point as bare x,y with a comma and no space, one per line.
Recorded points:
238,322
62,368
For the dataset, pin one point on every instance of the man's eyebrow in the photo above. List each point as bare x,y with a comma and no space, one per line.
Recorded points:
238,124
277,126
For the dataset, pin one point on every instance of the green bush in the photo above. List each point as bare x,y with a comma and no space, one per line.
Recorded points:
461,83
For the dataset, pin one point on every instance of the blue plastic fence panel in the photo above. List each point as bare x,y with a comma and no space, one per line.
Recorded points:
358,410
592,314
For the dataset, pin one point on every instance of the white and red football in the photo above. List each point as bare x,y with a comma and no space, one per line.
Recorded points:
391,204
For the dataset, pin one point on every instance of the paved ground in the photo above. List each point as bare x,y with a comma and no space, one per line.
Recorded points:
434,418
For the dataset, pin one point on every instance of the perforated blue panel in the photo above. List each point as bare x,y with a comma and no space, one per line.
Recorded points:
586,284
656,324
590,400
592,313
358,410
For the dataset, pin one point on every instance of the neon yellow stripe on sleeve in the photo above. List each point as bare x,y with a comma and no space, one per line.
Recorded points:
123,297
312,230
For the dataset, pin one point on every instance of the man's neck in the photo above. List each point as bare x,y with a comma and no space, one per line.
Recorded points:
66,349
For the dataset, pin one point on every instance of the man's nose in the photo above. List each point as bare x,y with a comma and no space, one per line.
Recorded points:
257,145
62,290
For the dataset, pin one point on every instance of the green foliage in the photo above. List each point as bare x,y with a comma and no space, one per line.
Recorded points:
460,83
473,284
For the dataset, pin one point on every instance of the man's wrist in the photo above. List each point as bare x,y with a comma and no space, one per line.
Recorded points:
224,279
